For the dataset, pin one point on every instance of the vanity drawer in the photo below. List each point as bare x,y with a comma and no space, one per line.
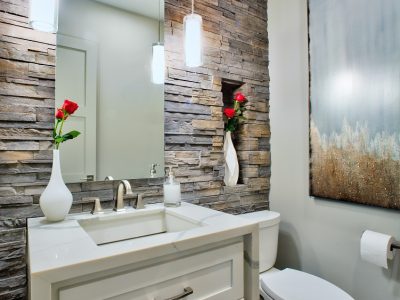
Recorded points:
216,274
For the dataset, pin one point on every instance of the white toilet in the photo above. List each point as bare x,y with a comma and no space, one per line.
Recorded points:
287,284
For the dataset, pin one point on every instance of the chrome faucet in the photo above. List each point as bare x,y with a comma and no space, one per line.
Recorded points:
153,171
122,187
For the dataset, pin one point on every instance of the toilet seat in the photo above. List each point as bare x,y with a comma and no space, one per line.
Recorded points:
291,284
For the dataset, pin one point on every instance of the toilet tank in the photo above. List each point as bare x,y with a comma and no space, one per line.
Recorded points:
269,229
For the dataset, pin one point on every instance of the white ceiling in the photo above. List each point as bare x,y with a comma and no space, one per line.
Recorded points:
148,8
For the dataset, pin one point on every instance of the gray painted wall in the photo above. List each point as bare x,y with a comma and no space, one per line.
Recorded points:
318,236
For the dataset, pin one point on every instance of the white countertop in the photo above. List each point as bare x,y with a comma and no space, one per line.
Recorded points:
63,250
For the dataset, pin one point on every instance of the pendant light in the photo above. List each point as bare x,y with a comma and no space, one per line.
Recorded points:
158,61
43,15
193,31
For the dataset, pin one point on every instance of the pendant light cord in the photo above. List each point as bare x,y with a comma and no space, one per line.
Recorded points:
159,21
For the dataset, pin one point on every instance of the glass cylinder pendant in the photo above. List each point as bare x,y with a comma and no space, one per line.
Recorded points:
43,15
158,63
193,40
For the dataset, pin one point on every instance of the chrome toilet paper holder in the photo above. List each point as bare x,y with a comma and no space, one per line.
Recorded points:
395,245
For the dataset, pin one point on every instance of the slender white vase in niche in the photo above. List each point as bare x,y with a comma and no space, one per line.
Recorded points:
56,199
231,161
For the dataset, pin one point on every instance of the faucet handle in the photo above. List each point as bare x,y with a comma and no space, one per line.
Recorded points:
139,202
153,170
97,209
88,178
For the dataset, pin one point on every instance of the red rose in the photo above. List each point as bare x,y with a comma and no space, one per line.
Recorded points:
229,112
59,114
69,106
239,97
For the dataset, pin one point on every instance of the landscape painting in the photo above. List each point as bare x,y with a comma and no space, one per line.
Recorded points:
355,101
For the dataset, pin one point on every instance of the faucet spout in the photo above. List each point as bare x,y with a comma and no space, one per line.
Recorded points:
123,187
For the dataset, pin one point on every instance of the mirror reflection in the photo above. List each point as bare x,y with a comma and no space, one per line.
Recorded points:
104,63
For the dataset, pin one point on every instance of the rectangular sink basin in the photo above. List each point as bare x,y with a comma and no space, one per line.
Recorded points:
116,227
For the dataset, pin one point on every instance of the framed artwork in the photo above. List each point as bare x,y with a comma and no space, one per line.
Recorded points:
354,51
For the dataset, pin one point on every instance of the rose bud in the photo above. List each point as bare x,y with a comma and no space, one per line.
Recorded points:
239,97
69,106
229,112
59,114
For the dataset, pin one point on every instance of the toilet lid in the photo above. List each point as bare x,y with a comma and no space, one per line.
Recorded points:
291,284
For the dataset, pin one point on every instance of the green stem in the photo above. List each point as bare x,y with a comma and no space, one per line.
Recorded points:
61,128
55,132
235,105
55,127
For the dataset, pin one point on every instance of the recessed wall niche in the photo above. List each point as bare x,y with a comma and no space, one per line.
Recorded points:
229,89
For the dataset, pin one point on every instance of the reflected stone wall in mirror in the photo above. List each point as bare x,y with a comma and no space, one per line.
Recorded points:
104,52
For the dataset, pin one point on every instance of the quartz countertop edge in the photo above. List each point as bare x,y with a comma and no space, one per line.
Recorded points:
59,251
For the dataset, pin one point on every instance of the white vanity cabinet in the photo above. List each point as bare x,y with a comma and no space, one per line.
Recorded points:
195,254
216,274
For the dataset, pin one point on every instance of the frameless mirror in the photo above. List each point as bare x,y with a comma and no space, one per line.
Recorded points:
104,63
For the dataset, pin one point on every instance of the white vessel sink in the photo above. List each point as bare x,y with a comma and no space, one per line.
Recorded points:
116,227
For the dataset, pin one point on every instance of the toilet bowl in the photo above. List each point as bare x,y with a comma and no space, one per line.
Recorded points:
288,284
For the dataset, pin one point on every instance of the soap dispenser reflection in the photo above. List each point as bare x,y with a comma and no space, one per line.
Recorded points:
172,190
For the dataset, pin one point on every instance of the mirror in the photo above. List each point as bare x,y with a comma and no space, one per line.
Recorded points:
104,63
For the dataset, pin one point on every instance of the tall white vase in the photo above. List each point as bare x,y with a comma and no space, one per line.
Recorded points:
231,161
56,199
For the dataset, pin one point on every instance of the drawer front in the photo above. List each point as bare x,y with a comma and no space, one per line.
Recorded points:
213,275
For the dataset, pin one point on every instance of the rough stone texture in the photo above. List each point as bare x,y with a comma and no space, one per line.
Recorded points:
236,49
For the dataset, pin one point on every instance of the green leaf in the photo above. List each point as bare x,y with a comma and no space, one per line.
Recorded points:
59,139
230,127
74,133
70,135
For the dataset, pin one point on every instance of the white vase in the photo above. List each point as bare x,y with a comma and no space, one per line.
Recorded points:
231,161
56,199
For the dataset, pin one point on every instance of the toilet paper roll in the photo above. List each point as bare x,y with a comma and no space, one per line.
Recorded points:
375,248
